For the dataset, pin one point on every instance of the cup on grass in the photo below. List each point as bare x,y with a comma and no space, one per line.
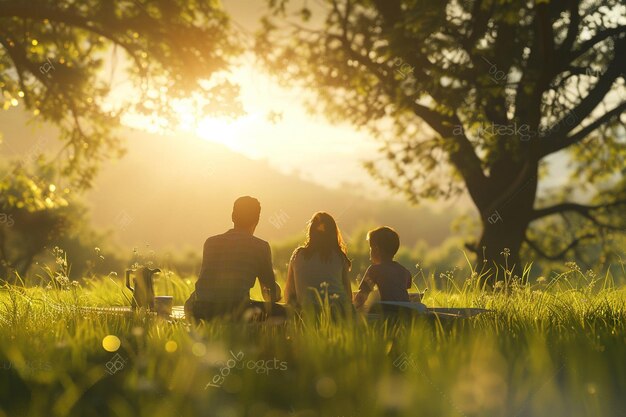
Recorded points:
416,297
163,304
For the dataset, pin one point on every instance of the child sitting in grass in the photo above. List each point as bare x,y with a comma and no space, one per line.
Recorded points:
392,279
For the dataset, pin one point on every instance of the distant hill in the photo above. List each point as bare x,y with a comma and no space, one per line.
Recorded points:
180,190
173,192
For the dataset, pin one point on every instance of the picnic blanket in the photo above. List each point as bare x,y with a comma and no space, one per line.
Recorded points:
178,312
387,309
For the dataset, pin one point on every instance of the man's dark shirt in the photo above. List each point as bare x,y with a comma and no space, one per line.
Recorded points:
231,263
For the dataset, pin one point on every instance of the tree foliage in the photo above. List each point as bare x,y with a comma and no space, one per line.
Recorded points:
57,57
469,96
59,60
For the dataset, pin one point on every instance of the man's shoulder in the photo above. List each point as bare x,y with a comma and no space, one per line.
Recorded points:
258,241
239,237
215,238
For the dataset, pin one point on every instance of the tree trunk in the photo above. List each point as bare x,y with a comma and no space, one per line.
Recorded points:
500,244
4,262
504,229
4,273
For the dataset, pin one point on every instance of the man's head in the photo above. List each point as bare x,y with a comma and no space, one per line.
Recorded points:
384,244
246,213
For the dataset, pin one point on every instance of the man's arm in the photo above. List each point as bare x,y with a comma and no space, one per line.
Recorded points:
290,286
266,274
204,273
204,269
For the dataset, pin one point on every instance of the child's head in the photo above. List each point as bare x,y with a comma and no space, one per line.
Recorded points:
384,243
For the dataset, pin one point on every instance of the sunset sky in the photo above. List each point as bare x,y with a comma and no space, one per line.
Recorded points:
295,141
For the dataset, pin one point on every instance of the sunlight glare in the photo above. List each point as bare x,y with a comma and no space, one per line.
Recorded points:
224,131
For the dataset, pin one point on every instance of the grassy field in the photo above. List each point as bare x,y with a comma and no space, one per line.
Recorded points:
556,348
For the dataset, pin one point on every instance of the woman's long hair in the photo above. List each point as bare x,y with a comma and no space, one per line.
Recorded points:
324,238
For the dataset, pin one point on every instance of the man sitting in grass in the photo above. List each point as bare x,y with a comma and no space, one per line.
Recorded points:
392,279
231,264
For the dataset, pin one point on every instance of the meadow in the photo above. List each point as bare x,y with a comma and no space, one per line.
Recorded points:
552,348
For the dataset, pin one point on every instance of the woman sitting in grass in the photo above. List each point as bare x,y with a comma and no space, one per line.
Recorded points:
320,266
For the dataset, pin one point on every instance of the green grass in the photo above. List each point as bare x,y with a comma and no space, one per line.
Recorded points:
551,349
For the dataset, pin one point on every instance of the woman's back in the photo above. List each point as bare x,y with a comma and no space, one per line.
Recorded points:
311,270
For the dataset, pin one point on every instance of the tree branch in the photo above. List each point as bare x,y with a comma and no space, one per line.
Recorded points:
600,36
64,16
561,254
572,29
555,145
479,26
583,210
462,153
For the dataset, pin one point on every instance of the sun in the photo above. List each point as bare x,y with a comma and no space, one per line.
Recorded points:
229,132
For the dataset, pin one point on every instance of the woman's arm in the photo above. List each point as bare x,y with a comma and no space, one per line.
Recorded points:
346,280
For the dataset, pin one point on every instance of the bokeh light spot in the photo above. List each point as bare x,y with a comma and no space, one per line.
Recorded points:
171,346
326,387
111,343
198,349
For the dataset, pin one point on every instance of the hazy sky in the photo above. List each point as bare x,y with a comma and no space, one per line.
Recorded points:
324,153
296,141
